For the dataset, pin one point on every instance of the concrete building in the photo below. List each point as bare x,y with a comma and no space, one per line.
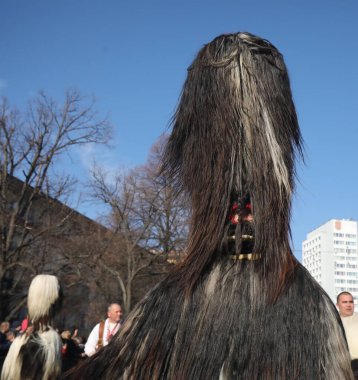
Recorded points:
330,255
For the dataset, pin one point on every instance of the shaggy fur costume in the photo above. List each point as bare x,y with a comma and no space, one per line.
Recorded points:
232,310
36,354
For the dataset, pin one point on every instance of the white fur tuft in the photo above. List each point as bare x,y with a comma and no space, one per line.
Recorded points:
50,345
43,293
11,369
280,168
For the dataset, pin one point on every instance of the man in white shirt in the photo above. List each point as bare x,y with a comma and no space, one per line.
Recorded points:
345,304
104,331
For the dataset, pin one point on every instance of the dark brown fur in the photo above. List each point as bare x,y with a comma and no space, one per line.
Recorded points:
235,135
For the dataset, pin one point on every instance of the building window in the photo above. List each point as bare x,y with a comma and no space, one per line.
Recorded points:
339,273
340,258
338,242
339,281
339,265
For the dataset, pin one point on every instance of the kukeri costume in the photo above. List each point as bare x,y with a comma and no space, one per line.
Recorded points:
240,306
36,354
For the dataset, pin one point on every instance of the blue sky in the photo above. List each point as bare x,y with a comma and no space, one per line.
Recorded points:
133,56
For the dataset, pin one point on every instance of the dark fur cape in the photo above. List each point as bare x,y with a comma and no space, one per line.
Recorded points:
233,144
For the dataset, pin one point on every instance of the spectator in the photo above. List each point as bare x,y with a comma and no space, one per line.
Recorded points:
74,331
105,330
69,352
80,346
4,343
10,336
345,304
4,328
16,327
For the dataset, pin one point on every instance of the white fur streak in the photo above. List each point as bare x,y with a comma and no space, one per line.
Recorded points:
280,169
222,375
43,292
50,344
12,367
211,282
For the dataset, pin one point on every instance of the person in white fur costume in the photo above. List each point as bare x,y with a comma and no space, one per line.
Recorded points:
36,354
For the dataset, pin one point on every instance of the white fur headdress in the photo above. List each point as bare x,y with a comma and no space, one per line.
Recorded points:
44,294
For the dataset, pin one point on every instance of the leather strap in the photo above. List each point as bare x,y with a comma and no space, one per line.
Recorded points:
100,335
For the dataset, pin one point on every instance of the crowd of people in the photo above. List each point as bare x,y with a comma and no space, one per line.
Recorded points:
74,346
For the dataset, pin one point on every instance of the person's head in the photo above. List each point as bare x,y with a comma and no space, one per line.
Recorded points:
10,336
345,304
66,334
78,340
114,313
4,327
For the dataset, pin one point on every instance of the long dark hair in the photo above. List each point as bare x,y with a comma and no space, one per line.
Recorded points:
225,313
235,133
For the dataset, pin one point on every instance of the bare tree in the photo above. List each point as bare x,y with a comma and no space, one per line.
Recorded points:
148,221
30,146
168,228
121,195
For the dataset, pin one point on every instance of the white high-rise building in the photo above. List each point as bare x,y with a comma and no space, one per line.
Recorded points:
330,255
